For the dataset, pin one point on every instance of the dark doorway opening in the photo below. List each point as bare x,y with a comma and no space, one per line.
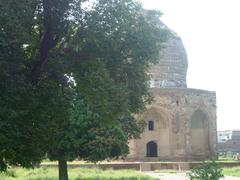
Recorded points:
151,149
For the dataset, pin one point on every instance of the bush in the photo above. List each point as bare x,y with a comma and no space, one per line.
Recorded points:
207,171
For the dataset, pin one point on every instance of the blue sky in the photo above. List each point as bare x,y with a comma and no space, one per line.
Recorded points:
210,30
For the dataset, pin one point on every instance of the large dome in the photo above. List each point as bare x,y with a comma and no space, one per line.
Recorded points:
171,70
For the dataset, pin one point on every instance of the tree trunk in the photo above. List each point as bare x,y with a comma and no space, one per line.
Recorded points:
47,43
62,170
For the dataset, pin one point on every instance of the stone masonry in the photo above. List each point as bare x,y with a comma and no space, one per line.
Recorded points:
181,122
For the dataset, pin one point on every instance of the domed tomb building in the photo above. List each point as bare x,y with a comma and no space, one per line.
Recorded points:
181,122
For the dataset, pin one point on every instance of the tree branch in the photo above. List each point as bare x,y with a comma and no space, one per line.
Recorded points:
47,42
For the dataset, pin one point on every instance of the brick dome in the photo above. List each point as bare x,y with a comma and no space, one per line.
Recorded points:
171,71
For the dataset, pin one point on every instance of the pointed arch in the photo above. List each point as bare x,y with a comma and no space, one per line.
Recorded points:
199,132
199,119
152,149
159,117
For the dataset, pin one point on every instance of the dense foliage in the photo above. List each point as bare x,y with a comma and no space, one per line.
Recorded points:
72,78
207,171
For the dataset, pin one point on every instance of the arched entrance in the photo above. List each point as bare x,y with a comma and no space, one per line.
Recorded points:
199,132
152,149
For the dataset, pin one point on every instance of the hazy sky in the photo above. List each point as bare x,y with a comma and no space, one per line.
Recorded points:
210,30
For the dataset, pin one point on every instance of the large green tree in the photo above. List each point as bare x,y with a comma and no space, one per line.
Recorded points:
18,123
73,78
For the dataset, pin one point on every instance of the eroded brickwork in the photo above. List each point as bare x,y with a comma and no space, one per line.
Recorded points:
171,71
175,133
184,119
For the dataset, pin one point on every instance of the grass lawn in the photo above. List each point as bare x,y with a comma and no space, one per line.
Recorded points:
74,174
171,171
235,171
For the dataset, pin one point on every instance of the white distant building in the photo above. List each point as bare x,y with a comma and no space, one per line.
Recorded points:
229,141
224,136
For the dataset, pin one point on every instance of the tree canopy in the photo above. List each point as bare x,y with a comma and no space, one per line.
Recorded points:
73,78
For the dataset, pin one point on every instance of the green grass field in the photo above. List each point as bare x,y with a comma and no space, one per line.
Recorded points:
74,174
90,174
171,171
232,171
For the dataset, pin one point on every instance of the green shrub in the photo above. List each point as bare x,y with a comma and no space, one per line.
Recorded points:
9,173
206,171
